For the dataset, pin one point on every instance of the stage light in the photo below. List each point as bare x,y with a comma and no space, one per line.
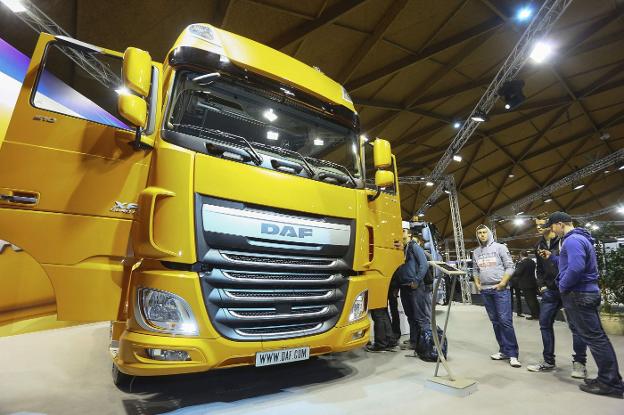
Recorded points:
16,6
541,51
429,184
524,13
478,116
511,92
457,158
456,124
518,221
547,199
578,186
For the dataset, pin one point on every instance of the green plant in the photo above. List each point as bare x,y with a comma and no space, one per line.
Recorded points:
611,280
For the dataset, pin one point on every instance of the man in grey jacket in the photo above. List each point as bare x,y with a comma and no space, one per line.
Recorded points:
493,268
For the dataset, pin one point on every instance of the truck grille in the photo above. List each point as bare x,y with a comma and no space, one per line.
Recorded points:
277,260
259,305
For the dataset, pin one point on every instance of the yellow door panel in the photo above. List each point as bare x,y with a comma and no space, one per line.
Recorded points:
70,180
26,289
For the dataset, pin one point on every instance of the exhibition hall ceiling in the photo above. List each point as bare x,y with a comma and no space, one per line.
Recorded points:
413,68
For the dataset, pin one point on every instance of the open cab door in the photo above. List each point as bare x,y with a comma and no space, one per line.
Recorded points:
74,159
384,218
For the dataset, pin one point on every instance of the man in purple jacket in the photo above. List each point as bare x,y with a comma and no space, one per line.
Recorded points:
578,284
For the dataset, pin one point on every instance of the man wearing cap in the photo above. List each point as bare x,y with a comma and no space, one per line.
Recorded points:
493,266
580,295
547,272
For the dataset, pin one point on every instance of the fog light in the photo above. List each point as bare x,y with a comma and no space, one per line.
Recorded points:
358,335
360,306
168,355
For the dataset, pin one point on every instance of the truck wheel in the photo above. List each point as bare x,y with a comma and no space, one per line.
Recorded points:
120,379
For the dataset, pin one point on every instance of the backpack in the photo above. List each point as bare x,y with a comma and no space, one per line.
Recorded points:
425,347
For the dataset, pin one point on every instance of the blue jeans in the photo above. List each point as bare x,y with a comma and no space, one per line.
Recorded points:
498,306
551,304
582,310
417,306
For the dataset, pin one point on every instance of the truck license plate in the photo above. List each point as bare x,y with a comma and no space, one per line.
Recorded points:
277,357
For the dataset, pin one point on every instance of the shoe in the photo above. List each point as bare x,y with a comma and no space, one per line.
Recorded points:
531,318
407,346
589,381
598,388
579,371
499,356
514,362
541,367
375,349
520,315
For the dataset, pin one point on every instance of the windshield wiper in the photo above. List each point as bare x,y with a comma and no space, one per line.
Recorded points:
306,165
250,150
334,165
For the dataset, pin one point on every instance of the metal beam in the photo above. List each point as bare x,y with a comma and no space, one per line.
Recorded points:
327,17
426,53
380,29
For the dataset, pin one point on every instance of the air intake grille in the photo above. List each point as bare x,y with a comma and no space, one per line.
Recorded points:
278,260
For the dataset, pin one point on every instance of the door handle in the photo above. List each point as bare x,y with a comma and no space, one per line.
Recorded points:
20,197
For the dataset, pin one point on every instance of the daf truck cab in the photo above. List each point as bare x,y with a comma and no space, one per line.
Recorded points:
215,208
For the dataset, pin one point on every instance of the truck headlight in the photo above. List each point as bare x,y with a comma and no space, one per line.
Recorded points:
165,312
360,306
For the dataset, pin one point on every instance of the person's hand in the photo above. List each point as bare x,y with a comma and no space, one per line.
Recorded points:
478,285
544,253
500,286
413,285
542,290
395,292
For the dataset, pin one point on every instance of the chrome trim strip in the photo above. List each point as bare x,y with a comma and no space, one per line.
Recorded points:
294,296
324,310
277,334
331,278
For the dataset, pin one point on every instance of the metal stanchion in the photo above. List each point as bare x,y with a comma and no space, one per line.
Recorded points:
450,383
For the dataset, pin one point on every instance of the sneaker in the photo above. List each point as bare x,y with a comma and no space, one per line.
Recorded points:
531,318
520,315
499,356
598,388
514,362
589,381
579,371
541,367
375,349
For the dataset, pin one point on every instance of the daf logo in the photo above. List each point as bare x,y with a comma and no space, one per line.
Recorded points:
273,229
125,207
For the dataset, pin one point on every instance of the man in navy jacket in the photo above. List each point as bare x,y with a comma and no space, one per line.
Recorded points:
578,284
415,293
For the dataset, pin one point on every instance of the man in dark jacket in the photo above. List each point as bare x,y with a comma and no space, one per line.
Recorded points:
578,285
546,272
523,279
415,294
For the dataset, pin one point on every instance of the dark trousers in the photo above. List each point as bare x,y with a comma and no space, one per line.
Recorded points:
395,319
498,306
530,295
515,292
551,304
582,310
417,306
383,328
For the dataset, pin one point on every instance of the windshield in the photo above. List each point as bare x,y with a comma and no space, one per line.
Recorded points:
239,120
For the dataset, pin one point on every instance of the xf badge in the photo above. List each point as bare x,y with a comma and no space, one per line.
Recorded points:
125,207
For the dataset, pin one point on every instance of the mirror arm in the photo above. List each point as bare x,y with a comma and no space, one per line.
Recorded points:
371,198
137,144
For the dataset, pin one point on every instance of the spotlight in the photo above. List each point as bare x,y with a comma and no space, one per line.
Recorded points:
518,221
524,13
511,175
448,192
457,158
511,92
547,199
16,6
478,116
421,214
578,186
272,135
607,171
520,213
319,142
122,91
620,209
456,124
595,227
429,184
541,51
364,138
621,167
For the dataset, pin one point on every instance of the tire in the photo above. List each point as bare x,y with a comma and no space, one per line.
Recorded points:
120,379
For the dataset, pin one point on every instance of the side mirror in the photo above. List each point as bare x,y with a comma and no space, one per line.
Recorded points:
133,109
384,178
137,71
382,154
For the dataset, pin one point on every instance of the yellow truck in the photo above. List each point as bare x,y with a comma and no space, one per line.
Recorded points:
215,208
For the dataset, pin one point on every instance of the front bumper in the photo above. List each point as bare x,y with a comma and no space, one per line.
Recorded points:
207,354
